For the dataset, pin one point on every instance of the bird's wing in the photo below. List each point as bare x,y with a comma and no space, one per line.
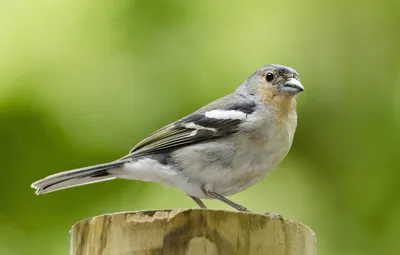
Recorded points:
218,119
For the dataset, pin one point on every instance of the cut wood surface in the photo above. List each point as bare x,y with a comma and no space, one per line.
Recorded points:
191,232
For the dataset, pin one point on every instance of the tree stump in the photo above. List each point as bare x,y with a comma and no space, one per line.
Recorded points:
191,232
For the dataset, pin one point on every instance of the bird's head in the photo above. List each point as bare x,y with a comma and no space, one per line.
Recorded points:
274,82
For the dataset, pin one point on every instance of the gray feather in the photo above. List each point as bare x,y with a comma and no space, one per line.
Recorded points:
179,133
76,177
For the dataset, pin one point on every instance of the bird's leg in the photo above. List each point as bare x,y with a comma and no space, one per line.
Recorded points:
198,201
225,200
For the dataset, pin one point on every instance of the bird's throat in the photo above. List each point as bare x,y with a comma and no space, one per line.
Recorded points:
285,103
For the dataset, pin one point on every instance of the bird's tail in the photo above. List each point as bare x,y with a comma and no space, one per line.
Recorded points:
76,177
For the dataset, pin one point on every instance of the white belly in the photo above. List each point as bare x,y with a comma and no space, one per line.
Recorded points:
228,170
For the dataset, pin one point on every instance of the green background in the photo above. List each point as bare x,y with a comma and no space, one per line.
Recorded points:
81,82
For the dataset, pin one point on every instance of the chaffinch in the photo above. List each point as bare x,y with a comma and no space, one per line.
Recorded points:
219,150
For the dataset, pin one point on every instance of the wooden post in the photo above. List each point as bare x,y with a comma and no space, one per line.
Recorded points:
191,232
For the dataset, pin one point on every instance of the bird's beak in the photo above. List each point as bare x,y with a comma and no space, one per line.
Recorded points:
292,86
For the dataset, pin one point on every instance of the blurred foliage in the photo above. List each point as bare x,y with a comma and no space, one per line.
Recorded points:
82,81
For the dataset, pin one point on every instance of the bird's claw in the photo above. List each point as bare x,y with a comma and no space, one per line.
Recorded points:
273,215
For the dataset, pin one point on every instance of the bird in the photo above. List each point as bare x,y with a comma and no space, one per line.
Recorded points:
221,149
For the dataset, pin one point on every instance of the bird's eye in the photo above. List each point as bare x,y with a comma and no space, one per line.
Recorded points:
269,77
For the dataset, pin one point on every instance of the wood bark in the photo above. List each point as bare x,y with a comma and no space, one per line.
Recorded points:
191,232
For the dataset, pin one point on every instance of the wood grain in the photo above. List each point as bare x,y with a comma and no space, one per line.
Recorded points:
190,232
